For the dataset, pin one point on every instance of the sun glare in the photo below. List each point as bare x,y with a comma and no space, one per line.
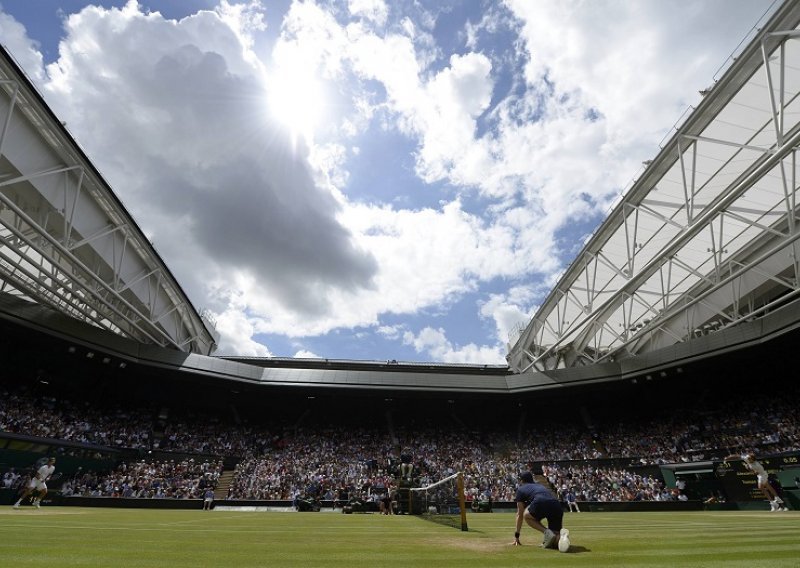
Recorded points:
296,100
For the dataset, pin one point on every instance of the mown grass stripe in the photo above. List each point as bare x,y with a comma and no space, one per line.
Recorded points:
176,539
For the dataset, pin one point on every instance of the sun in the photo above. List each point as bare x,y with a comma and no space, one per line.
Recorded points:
296,98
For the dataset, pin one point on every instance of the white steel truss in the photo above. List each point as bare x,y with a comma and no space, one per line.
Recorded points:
68,243
705,239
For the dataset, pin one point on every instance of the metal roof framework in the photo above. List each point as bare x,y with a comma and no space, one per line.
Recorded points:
67,242
705,239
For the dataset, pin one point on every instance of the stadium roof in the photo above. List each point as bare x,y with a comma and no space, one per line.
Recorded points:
67,242
706,239
41,333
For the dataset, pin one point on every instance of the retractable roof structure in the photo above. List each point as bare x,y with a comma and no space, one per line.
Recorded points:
67,242
706,239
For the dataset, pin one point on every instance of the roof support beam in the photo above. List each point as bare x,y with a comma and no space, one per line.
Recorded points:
763,166
741,269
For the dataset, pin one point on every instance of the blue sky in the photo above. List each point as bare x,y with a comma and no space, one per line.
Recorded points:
366,179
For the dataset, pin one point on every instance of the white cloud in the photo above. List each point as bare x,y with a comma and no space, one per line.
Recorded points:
329,160
390,331
510,311
24,50
236,331
446,121
434,343
246,19
427,257
491,21
372,10
305,354
180,128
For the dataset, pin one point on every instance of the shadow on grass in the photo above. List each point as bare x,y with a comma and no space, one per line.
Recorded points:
573,549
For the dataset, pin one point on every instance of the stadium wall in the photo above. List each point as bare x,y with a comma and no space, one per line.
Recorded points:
7,497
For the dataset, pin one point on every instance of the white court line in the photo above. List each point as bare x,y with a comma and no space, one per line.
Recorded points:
159,528
28,511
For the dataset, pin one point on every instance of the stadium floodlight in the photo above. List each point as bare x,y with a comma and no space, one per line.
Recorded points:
441,502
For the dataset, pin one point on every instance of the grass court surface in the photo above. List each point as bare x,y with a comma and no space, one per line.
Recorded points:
72,536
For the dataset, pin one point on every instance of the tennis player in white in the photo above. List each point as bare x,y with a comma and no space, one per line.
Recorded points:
751,463
38,483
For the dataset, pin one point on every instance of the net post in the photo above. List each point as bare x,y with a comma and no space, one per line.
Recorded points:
461,501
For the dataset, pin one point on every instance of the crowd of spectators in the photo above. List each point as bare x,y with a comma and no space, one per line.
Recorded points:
680,435
63,419
13,479
280,462
594,483
183,479
127,426
316,463
765,424
367,462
